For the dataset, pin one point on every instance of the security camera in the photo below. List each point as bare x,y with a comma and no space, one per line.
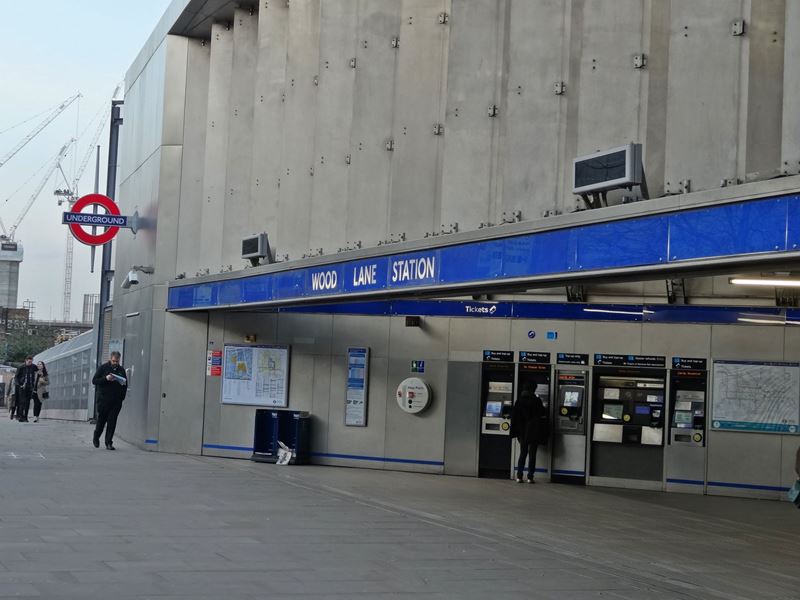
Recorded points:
131,279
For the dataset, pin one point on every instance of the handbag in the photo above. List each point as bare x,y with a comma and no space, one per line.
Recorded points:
793,495
45,395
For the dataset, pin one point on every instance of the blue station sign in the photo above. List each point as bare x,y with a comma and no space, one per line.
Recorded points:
658,240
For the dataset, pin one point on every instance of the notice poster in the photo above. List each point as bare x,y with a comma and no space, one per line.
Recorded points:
214,363
355,408
255,375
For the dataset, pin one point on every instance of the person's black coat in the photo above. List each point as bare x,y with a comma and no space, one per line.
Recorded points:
109,390
25,376
529,419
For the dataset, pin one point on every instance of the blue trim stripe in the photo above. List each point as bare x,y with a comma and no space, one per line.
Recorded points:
223,447
649,242
686,481
749,486
385,459
151,441
568,472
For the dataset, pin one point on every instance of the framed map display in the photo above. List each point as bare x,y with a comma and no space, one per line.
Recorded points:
756,396
255,375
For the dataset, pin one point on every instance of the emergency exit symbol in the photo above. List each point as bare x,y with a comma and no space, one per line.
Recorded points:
417,366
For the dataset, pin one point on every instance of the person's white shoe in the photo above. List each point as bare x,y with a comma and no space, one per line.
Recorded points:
519,479
35,419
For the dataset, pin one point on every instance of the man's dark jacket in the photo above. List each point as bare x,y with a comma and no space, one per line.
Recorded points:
109,390
529,419
26,376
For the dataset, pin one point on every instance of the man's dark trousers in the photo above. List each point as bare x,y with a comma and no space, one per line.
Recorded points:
107,413
23,402
527,450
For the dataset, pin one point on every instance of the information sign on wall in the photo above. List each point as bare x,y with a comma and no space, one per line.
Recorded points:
255,375
214,363
756,396
356,395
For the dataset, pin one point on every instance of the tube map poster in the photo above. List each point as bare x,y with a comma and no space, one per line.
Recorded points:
756,396
255,375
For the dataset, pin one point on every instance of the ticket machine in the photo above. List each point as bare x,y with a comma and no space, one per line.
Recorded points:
628,421
685,453
533,373
569,427
497,402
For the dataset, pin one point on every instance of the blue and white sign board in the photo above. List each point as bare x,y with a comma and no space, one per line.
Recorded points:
756,396
97,220
643,241
355,407
255,375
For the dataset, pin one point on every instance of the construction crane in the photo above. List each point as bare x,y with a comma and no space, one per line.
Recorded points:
38,129
70,196
56,164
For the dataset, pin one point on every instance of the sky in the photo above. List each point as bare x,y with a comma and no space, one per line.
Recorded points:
49,51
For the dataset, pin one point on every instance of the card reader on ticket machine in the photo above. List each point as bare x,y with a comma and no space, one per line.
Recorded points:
496,419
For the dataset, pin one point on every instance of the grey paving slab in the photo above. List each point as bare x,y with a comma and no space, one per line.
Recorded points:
84,523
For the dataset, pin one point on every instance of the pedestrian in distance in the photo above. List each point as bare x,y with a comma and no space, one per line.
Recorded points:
40,390
11,399
529,426
25,381
112,384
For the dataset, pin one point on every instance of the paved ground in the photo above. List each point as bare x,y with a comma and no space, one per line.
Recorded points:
83,523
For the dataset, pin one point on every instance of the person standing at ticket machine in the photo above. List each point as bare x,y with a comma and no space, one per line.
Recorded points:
529,426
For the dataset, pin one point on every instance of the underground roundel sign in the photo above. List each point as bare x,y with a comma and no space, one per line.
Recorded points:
111,220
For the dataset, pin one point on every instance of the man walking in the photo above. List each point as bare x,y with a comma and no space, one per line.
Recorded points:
24,381
111,384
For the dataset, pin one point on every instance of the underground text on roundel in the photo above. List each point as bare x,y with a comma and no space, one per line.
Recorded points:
91,219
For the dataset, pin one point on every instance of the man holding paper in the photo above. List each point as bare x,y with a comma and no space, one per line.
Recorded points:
111,383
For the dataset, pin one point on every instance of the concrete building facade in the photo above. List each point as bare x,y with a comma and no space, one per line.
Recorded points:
354,130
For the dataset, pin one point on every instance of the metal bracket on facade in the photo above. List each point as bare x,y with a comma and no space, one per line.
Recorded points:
738,27
729,182
452,228
493,110
438,129
444,18
595,199
639,61
390,145
559,88
395,42
353,62
483,225
576,293
400,238
684,187
316,80
347,159
550,212
514,216
676,291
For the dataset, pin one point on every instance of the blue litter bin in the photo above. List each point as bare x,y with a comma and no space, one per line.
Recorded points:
291,427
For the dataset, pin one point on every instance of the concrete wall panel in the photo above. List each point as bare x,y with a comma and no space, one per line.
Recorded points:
430,341
193,158
414,208
361,331
747,342
184,351
790,122
268,111
368,207
338,33
474,66
294,203
239,210
532,111
703,95
216,155
470,337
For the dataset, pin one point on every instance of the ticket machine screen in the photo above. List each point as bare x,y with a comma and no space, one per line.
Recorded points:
683,418
572,399
612,412
494,408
